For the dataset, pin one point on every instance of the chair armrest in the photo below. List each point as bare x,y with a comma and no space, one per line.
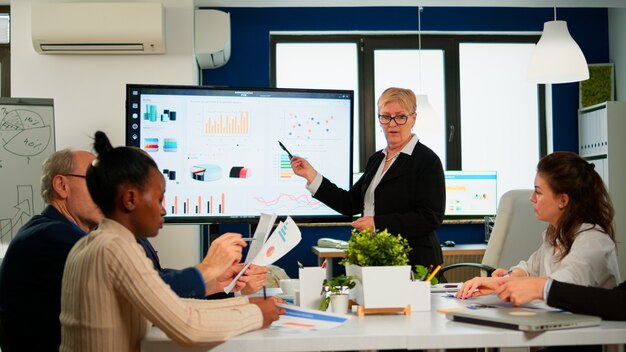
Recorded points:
480,266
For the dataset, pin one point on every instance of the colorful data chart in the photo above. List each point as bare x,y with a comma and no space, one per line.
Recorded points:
288,202
223,123
152,115
197,205
151,144
239,172
170,145
285,171
206,172
308,126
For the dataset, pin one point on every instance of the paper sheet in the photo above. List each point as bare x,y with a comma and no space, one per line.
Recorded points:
284,238
297,318
263,229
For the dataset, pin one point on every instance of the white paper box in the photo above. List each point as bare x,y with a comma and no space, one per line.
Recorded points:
419,295
311,280
381,286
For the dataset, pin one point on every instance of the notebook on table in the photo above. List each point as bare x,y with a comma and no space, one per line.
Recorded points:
523,318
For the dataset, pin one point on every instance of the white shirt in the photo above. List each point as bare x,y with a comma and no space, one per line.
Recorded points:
592,260
368,201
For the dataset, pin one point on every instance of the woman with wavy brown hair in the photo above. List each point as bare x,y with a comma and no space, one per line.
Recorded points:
579,243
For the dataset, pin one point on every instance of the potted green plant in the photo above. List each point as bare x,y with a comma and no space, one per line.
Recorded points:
378,262
335,292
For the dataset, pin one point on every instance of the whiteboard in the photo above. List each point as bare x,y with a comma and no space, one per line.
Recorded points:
26,140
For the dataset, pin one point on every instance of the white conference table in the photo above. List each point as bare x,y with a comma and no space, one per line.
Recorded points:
420,330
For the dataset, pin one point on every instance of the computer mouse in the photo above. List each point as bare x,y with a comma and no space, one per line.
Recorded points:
449,244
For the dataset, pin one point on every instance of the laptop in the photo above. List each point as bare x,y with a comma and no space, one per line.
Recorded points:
523,319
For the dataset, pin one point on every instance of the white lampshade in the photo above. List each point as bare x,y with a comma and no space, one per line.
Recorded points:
424,109
557,58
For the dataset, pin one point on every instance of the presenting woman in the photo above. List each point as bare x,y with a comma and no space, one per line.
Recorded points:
111,292
402,189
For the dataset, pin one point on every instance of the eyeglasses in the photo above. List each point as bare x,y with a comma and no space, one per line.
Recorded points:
74,175
399,119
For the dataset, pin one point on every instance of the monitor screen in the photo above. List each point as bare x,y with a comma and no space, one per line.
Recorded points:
471,193
218,148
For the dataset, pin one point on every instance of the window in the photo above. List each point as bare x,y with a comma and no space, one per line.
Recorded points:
500,121
320,66
401,68
489,116
5,52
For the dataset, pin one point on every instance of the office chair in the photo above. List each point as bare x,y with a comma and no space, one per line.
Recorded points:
515,236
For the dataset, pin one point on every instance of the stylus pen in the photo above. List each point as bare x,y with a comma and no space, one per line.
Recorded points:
285,149
433,273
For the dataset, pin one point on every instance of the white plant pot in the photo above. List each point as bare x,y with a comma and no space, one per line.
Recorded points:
419,295
339,304
380,286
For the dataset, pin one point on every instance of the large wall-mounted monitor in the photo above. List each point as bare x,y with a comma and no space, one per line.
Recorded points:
218,148
471,194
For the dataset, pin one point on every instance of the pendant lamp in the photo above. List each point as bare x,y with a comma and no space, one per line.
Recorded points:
557,58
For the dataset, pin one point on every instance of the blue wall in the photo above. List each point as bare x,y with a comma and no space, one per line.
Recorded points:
249,65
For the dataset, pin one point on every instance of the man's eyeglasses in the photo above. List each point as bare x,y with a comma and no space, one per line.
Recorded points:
75,175
399,119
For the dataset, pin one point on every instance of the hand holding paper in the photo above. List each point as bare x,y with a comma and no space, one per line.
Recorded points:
284,238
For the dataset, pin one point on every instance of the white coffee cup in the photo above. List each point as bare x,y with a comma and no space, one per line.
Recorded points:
288,286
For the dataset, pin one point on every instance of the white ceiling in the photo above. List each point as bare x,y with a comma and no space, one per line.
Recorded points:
455,3
342,3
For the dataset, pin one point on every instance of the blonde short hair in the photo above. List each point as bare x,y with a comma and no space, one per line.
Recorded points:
406,97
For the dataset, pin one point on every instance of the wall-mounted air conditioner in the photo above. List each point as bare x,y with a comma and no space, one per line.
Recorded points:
98,28
211,38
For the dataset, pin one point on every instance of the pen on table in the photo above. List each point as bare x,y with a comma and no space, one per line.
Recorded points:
285,149
433,273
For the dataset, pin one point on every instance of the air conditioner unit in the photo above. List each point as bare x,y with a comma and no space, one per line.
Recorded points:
211,38
98,28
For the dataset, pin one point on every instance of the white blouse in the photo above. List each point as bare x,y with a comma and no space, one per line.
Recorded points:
592,260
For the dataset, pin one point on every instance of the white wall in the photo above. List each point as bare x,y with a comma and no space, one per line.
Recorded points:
617,51
89,94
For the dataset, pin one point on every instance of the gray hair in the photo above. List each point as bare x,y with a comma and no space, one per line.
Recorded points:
58,163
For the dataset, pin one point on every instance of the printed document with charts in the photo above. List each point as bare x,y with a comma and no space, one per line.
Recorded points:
286,236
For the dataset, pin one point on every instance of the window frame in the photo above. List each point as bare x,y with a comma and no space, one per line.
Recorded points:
449,43
5,60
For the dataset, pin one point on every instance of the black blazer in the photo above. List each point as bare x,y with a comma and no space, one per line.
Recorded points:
409,200
605,303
